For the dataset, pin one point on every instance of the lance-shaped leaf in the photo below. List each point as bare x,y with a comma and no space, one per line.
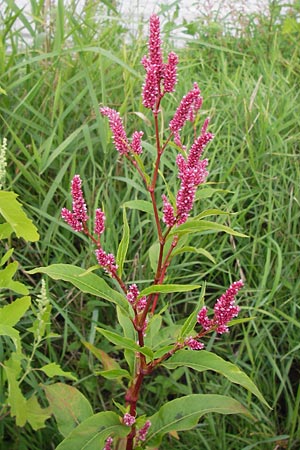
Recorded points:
68,405
191,321
190,249
184,413
90,283
168,288
124,342
92,432
123,247
140,205
204,360
13,213
198,226
114,374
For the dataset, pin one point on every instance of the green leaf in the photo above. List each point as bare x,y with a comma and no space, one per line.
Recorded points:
124,342
168,288
113,374
203,360
123,247
6,281
12,313
190,249
13,213
141,205
108,362
90,283
184,413
69,406
53,370
6,257
92,432
211,212
5,230
208,192
6,330
194,226
129,332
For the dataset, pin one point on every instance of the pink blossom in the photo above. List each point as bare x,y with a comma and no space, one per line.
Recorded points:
108,443
78,215
193,343
128,419
141,304
106,260
170,72
99,221
132,293
154,45
150,89
225,310
142,434
136,143
117,128
188,104
168,211
197,148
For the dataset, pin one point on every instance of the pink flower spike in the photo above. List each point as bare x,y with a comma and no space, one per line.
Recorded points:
117,129
136,143
225,308
142,434
132,293
154,45
203,320
168,211
106,260
99,222
187,106
79,206
194,344
150,90
128,419
170,73
69,217
141,305
108,443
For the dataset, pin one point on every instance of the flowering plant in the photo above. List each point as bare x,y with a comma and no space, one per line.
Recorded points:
144,350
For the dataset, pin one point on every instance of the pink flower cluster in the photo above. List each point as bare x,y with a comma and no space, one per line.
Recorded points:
142,434
108,443
225,310
78,216
160,77
128,419
120,139
192,173
193,343
132,297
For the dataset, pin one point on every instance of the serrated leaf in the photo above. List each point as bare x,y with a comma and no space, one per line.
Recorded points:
184,413
92,432
90,283
53,370
13,213
36,416
12,313
69,406
6,281
195,226
123,247
168,288
204,360
124,342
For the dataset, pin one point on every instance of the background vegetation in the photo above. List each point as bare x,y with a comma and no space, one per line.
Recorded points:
56,67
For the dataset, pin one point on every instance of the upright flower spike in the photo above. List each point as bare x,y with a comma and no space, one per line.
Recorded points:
78,216
142,434
189,103
99,221
117,129
168,212
170,73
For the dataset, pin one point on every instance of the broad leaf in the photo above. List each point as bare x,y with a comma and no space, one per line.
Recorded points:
168,288
13,213
90,283
92,432
5,230
53,370
124,342
198,226
184,413
69,406
141,205
123,247
7,282
203,360
11,314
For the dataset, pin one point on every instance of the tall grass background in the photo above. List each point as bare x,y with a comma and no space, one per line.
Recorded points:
56,68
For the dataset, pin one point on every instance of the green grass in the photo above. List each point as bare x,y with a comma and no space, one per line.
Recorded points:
54,84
